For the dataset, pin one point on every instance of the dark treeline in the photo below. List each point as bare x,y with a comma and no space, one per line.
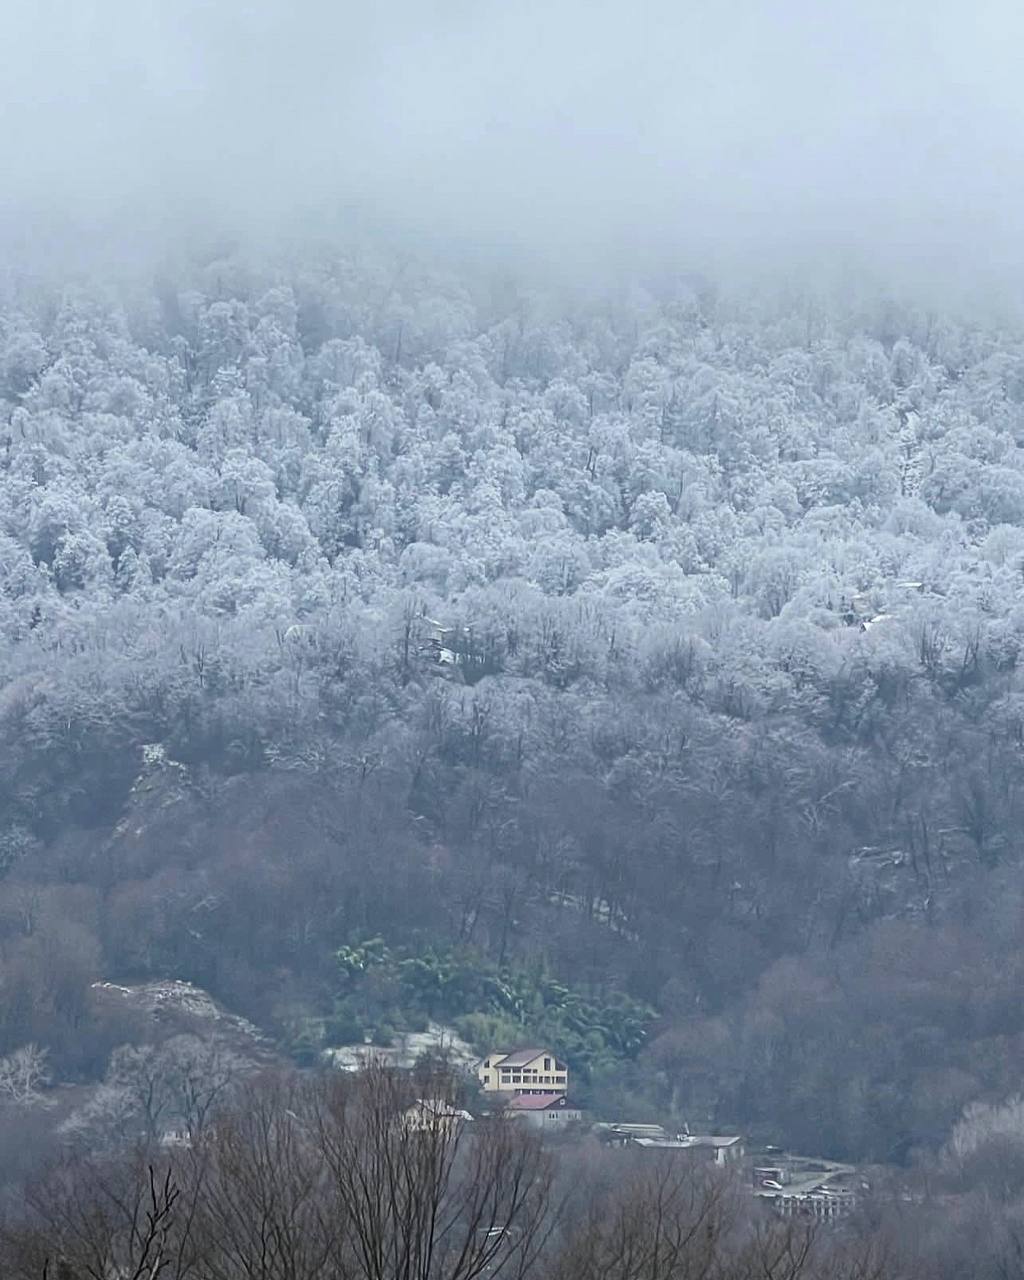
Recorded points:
345,1178
731,738
352,1177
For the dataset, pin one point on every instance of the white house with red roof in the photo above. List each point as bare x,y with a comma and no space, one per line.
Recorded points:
543,1110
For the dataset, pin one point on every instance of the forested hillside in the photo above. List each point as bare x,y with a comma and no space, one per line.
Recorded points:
723,783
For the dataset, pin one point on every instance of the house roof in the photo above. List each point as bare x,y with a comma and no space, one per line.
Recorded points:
627,1130
664,1144
539,1102
684,1142
520,1057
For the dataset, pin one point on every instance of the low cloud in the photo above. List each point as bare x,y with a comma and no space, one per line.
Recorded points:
709,129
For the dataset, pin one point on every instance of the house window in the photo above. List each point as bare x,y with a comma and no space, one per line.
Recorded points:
547,1064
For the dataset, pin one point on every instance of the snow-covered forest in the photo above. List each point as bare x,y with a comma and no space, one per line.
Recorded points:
733,726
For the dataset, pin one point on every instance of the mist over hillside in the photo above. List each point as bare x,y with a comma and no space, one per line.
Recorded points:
723,136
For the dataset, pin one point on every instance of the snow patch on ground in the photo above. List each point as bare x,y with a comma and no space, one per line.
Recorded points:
437,1039
172,998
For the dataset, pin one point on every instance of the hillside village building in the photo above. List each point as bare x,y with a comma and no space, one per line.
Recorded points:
523,1071
543,1110
720,1150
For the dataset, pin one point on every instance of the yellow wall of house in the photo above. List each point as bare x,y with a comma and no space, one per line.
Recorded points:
532,1075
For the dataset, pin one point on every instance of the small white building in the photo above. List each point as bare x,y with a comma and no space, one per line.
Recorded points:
543,1110
711,1148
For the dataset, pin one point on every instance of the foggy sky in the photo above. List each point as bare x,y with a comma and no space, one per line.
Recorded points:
761,126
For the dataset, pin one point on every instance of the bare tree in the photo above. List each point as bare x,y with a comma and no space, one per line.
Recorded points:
256,1182
667,1222
353,1178
778,1250
149,1089
199,1075
92,1222
430,1199
107,1119
23,1074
